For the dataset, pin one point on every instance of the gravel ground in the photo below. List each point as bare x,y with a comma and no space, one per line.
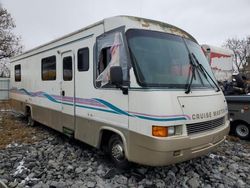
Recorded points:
49,159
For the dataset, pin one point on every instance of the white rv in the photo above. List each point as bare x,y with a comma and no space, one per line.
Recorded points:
140,89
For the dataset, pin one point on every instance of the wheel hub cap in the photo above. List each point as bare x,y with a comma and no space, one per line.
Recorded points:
242,130
117,152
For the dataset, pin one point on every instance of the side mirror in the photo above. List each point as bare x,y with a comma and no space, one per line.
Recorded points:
116,76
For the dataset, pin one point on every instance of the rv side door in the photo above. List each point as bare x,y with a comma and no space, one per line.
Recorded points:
68,93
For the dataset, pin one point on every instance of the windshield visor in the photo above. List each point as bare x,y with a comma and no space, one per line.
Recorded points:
162,60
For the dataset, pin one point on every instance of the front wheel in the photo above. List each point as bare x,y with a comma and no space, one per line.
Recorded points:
242,130
117,151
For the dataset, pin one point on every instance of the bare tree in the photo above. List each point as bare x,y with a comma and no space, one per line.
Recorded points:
241,49
9,42
5,67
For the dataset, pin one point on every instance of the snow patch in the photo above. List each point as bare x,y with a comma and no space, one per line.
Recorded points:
28,179
20,168
12,145
213,156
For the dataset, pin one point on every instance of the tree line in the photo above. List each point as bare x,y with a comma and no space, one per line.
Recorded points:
241,49
9,42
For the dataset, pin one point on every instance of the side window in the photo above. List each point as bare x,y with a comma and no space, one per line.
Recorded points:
18,73
49,68
83,59
67,68
104,59
110,52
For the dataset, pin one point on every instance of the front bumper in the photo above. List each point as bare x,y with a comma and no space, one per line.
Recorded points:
164,151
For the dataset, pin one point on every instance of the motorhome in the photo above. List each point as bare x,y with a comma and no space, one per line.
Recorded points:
139,89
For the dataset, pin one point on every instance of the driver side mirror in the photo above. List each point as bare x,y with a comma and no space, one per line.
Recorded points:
116,76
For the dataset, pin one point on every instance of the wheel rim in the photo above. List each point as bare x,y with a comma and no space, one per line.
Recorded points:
118,152
242,130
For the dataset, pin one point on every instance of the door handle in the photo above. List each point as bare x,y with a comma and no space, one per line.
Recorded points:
63,93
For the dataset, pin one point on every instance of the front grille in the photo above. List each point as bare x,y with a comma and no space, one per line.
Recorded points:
205,126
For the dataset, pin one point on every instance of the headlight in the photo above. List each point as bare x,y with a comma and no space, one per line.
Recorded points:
171,131
165,131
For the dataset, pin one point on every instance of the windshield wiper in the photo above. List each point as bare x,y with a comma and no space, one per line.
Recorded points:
193,76
205,73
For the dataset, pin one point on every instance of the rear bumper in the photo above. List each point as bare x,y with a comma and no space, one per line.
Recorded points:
159,152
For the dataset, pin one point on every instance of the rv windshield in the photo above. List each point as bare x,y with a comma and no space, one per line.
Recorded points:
163,60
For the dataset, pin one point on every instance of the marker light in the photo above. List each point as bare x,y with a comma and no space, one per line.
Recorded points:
159,131
162,131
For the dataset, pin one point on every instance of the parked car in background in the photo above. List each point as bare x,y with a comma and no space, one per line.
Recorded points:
239,115
234,86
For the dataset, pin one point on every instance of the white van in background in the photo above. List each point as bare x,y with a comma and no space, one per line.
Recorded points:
221,61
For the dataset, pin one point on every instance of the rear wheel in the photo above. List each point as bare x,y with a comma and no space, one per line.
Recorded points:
242,130
117,151
30,121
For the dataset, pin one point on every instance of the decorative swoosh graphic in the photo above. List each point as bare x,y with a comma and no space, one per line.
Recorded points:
111,106
99,105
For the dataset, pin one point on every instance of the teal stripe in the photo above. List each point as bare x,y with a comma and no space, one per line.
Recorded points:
77,105
113,109
52,99
111,106
26,92
162,119
98,109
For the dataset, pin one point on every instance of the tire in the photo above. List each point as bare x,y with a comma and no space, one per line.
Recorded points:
242,130
117,152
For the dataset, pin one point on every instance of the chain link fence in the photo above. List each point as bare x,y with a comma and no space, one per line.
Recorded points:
4,94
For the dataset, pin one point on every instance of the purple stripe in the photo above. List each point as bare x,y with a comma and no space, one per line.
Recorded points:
160,116
95,103
80,101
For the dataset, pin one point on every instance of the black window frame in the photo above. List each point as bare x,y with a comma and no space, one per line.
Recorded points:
43,60
18,79
67,78
83,68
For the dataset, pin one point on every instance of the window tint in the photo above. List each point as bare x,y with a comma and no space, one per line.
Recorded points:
18,73
67,68
49,68
83,59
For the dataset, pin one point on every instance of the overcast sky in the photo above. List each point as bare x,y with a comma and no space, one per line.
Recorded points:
209,21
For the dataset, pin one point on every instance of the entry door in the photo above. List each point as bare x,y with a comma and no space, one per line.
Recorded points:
68,93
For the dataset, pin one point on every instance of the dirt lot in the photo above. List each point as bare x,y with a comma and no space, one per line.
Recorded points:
40,157
14,130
